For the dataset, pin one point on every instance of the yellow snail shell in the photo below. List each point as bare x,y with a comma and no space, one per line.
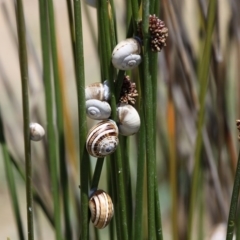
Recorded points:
102,139
98,110
101,207
126,55
100,91
37,132
128,119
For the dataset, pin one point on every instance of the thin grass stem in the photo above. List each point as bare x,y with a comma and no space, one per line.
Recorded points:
51,136
26,118
84,157
203,79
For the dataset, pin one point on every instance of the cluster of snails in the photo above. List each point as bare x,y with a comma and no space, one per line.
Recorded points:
102,138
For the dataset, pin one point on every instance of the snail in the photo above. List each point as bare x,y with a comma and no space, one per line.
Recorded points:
92,3
37,132
100,91
101,207
102,139
98,110
126,55
128,119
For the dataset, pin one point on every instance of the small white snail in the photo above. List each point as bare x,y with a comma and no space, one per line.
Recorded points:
100,91
128,119
102,139
92,3
37,132
126,55
98,110
101,207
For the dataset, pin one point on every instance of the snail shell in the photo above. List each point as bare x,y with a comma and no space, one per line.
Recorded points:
102,139
37,132
98,110
101,208
126,55
100,91
128,119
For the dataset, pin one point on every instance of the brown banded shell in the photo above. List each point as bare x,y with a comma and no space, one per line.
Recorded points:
102,139
101,208
99,91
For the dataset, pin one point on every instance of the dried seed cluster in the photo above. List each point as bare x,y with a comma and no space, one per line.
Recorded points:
158,33
129,92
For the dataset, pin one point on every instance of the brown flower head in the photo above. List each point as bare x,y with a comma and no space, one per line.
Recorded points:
128,92
158,33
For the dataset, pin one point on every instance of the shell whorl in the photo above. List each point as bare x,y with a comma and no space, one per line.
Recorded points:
98,110
102,139
100,91
101,207
128,119
126,55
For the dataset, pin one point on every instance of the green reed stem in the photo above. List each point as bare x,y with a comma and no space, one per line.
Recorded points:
138,217
59,120
50,112
203,79
26,119
97,173
11,182
148,111
84,157
234,203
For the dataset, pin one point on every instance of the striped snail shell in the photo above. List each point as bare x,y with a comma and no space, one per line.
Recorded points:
101,207
100,91
37,132
126,55
102,139
98,110
128,119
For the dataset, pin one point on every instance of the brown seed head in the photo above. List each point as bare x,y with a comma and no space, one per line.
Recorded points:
128,92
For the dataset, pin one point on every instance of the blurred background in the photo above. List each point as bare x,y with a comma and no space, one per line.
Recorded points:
178,84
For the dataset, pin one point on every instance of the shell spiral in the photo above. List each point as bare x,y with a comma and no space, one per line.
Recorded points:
102,139
101,207
126,55
98,110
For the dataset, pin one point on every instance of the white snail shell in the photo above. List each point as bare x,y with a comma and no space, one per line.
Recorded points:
126,55
98,110
128,119
102,139
37,132
101,208
100,91
92,3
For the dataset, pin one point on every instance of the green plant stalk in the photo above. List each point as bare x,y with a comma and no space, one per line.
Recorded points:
84,157
234,203
148,111
49,112
97,173
138,217
103,18
59,120
11,182
26,119
203,79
